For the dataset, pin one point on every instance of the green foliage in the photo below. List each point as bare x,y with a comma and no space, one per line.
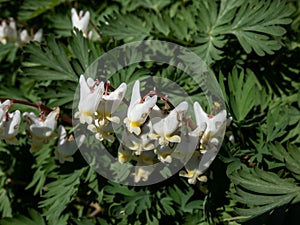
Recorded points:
33,8
289,157
50,62
268,191
256,23
243,93
5,206
44,167
34,219
251,46
60,193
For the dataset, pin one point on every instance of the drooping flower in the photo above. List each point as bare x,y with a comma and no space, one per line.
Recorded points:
40,129
9,127
90,97
2,32
67,146
208,127
8,32
81,21
4,109
163,129
108,105
25,37
208,130
138,110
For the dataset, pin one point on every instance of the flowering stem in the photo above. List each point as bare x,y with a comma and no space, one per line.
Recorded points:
41,107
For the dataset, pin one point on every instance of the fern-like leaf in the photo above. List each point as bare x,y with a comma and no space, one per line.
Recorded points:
262,191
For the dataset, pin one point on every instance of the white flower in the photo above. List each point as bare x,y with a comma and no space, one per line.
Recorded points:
138,110
25,37
108,105
2,32
81,21
4,109
208,130
8,33
164,128
67,146
40,129
9,128
90,97
208,127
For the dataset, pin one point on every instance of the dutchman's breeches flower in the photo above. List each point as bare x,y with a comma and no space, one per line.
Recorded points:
4,109
208,126
25,37
164,128
90,97
9,128
81,22
138,110
40,129
8,32
108,105
208,130
67,146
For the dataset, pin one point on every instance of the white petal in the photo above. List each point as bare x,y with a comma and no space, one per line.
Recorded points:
200,115
135,96
38,35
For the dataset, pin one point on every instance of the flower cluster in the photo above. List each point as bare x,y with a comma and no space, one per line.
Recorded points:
150,135
10,34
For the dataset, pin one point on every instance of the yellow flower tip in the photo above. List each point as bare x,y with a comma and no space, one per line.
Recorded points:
122,157
174,138
135,124
190,173
205,138
141,173
135,127
217,105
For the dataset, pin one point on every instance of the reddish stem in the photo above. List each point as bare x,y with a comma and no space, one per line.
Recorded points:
42,108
